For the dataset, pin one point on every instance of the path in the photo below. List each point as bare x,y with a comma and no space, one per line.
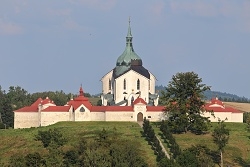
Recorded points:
163,148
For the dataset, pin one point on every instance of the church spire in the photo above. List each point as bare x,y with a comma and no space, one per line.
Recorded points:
129,29
81,91
129,37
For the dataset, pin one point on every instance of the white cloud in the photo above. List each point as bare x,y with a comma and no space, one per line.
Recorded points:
96,4
197,7
58,12
70,24
158,8
7,28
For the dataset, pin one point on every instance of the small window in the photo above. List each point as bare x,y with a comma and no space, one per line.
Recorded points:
124,84
82,109
138,84
109,84
149,116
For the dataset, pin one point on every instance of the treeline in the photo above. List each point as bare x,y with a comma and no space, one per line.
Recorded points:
17,97
209,94
107,148
238,100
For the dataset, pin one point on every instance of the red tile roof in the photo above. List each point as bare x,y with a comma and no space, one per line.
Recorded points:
57,109
78,101
47,101
216,105
155,108
32,108
140,100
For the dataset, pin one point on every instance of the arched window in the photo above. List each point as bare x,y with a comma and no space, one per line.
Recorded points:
138,84
109,84
124,84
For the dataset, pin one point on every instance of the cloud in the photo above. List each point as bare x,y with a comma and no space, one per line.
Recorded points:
58,12
157,8
96,4
8,28
197,7
70,24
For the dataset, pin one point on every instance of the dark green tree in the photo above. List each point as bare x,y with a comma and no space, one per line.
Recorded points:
221,137
203,154
34,160
52,138
7,116
187,159
17,160
184,104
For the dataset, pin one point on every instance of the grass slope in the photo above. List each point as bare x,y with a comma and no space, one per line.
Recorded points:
237,147
21,141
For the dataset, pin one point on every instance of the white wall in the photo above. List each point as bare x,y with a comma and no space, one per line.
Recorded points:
97,116
227,116
119,116
49,118
82,116
131,84
25,119
237,117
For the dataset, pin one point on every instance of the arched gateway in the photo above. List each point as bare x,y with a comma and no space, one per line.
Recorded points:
139,117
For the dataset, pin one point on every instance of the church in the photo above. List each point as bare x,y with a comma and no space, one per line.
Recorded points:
128,94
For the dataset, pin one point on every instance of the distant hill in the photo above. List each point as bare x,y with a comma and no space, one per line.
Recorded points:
211,94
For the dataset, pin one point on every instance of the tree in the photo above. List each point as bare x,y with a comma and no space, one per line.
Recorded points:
184,104
220,137
187,159
52,137
7,116
203,155
34,160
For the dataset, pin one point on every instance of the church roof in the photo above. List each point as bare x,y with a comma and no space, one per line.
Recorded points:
122,70
128,58
32,108
140,100
79,100
216,105
57,109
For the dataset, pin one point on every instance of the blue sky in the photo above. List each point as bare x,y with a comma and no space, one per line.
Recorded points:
59,45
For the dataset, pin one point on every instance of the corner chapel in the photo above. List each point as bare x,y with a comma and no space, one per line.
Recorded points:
128,80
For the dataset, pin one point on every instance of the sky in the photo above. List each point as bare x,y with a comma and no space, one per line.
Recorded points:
58,45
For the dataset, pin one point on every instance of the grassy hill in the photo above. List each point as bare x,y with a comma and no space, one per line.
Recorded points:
22,141
237,147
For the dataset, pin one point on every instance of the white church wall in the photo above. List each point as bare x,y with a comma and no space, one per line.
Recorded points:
83,115
105,85
25,120
131,86
155,116
237,117
152,83
49,118
219,116
119,116
105,82
97,116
